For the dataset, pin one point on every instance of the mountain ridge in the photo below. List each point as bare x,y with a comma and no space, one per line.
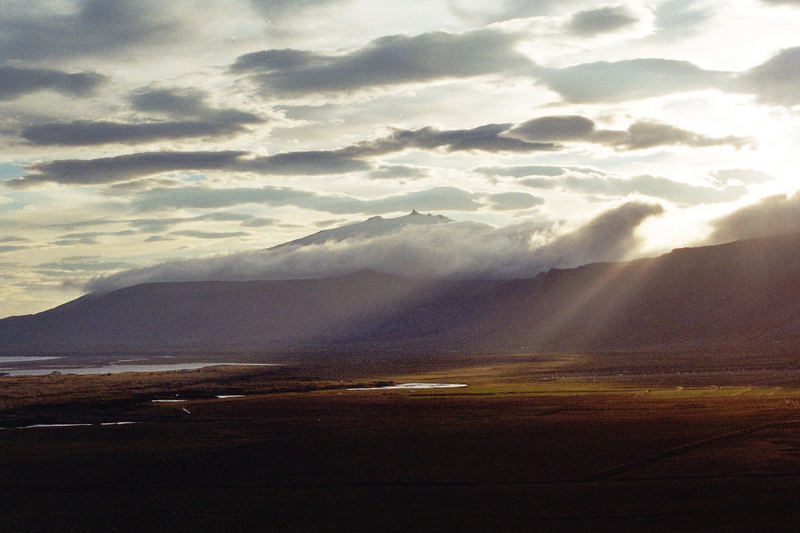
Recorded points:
739,292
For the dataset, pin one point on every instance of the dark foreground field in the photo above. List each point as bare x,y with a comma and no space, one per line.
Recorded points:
534,443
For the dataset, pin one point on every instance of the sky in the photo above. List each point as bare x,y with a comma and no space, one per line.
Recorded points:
149,140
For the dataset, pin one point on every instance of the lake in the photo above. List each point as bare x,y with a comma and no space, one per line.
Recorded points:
111,368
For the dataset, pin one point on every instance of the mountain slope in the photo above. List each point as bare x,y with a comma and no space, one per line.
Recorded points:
372,227
741,292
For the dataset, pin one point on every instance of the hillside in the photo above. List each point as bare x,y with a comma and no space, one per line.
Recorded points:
741,292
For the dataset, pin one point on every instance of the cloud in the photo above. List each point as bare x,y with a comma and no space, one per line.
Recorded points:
507,201
486,138
260,222
436,199
774,215
649,133
609,237
15,82
196,120
678,19
776,81
5,248
639,135
275,59
121,168
782,2
555,128
603,20
631,79
390,60
521,171
657,187
132,166
83,264
397,172
279,10
93,27
539,134
87,238
156,225
308,162
83,133
12,238
452,250
210,235
745,175
182,103
500,10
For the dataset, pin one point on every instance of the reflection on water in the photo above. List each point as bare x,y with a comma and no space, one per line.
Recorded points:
114,368
75,425
413,386
9,359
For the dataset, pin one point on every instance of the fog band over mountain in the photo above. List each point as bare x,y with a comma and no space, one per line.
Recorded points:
416,246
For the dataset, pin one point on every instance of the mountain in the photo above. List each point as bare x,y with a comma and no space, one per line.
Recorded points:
372,227
740,292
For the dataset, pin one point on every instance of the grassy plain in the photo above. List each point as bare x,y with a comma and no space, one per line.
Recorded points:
535,442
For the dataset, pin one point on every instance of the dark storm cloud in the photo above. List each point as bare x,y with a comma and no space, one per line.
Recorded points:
195,119
95,27
440,198
390,60
774,215
639,135
628,80
15,82
657,187
776,81
601,20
